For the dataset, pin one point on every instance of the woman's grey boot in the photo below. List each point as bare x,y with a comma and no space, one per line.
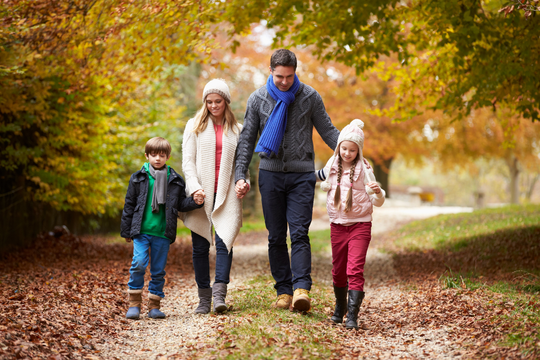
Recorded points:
341,304
205,301
219,292
355,300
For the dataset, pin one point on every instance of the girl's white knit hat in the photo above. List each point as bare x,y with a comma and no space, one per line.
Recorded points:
217,86
352,132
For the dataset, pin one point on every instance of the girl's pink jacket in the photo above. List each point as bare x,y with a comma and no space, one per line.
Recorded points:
363,196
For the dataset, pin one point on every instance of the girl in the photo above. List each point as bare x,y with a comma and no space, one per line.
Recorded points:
352,192
209,147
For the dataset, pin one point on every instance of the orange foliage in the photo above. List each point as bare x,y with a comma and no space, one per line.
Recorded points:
346,97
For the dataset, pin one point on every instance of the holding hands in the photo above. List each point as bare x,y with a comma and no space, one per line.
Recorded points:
199,196
241,188
375,187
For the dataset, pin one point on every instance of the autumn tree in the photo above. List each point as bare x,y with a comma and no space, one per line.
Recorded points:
486,134
346,95
453,55
75,78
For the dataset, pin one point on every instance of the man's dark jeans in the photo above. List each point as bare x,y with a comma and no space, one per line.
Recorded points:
287,198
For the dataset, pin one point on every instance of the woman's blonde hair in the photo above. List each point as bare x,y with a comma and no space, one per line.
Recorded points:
337,196
202,116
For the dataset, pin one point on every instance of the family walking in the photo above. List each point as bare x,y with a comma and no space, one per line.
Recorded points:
217,150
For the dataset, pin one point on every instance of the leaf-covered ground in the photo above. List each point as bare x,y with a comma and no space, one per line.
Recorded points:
475,296
66,296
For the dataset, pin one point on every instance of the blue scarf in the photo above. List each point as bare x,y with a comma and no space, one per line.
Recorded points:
277,122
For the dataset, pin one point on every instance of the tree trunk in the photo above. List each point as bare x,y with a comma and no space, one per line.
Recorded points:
513,166
382,174
531,186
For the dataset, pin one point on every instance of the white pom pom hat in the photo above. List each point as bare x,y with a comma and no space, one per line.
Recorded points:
217,86
352,132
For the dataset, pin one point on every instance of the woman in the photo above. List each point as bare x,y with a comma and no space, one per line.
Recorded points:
209,148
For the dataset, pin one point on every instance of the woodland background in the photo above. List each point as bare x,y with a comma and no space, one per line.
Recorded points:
448,92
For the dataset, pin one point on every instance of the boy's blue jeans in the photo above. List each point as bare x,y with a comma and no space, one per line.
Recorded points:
156,249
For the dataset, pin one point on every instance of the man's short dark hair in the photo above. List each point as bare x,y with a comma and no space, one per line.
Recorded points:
283,57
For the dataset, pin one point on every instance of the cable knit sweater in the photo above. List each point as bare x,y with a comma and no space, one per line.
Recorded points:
296,152
198,164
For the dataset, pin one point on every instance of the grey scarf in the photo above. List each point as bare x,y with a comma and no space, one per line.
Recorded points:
159,195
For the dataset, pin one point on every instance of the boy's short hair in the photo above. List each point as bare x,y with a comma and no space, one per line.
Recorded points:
283,57
158,145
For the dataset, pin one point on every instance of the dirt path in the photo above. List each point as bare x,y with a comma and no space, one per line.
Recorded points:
182,330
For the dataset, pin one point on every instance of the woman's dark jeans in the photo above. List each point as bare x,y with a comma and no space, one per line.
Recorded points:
201,262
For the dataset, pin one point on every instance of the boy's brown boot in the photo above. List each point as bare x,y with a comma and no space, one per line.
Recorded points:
135,300
154,303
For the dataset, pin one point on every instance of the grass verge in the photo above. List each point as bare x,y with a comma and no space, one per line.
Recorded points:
494,251
320,241
255,330
457,231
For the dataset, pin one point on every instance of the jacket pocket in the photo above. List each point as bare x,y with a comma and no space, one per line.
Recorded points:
174,211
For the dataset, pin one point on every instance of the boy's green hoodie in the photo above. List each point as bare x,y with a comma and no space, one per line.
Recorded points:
153,223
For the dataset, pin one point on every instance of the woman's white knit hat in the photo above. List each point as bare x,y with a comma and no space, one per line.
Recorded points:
217,86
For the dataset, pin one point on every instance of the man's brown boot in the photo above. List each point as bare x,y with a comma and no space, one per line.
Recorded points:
301,300
283,302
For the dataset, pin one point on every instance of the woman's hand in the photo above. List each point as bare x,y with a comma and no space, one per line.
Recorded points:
241,188
375,187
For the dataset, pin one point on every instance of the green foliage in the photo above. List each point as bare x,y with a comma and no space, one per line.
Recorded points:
454,55
457,231
83,87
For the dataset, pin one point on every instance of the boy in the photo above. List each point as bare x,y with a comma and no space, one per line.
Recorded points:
155,195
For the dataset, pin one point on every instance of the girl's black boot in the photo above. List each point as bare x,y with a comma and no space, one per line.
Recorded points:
355,300
341,304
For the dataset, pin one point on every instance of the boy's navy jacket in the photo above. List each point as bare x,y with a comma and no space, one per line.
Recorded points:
132,215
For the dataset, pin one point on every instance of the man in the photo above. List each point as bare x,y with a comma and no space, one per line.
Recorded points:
284,112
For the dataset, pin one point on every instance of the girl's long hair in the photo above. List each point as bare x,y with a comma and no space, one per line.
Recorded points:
202,116
337,196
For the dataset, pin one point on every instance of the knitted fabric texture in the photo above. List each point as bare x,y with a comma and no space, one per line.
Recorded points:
159,194
352,132
296,151
217,86
277,122
198,160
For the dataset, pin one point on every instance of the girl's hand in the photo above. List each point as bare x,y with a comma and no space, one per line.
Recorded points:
128,239
375,187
